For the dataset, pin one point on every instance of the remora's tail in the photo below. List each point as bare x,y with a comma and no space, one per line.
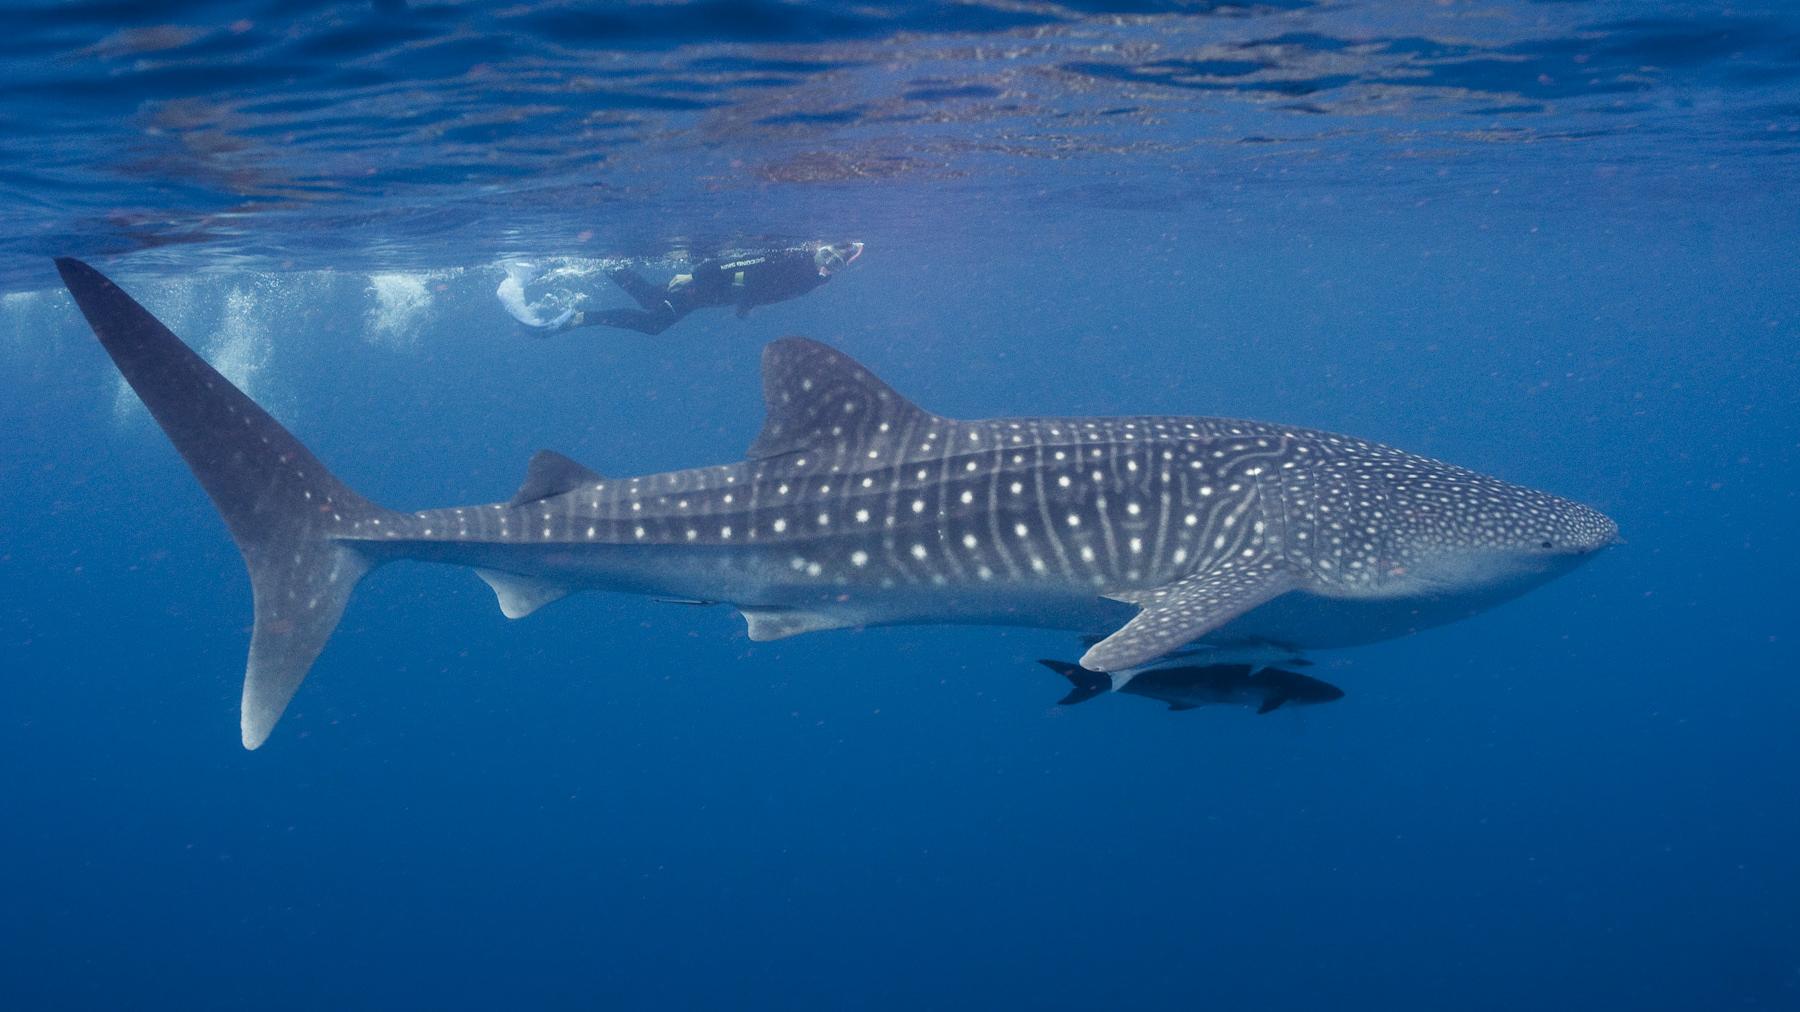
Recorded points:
1086,684
280,503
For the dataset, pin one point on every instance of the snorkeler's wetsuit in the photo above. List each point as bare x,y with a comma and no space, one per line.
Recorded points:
744,282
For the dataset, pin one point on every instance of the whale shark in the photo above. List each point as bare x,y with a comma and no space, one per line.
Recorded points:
856,507
1189,686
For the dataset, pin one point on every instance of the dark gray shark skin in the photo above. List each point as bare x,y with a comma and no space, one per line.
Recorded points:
1190,686
856,507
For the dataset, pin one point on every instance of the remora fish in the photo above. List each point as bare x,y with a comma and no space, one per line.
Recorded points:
857,507
1189,686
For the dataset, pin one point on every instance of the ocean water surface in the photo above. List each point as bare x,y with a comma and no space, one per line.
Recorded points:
1554,242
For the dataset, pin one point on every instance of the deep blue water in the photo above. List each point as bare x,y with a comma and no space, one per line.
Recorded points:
1556,242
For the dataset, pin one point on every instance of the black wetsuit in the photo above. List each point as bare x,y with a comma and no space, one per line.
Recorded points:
743,282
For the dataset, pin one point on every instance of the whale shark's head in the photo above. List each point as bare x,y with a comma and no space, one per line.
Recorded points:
1471,534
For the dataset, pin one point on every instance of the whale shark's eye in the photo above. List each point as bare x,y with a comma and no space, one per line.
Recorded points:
1546,544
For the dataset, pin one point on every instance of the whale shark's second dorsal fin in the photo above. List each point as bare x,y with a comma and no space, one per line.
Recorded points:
550,473
821,400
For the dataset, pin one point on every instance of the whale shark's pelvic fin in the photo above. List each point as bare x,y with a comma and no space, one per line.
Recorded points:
282,506
518,595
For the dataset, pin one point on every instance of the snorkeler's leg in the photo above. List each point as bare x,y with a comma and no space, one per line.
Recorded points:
644,321
643,292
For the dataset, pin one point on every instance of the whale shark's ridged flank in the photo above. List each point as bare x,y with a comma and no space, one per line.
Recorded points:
279,502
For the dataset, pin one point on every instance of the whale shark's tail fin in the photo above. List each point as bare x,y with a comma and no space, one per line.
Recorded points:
1085,684
282,506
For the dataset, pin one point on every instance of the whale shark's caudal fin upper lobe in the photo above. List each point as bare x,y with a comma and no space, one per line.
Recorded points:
280,503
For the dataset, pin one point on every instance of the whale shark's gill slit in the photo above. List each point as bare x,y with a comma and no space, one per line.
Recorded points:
284,510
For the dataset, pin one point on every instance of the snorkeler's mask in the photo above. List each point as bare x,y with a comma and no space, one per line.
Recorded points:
837,256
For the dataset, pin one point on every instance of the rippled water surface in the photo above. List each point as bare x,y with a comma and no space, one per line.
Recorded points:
395,134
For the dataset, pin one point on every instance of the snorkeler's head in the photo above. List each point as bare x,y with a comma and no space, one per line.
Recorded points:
836,256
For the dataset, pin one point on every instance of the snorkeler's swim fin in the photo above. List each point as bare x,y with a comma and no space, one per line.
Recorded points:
511,294
282,506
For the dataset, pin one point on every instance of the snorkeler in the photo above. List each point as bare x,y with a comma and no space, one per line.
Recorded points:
742,283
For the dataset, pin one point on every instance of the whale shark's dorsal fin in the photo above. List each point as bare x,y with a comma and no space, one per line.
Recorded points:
550,473
821,400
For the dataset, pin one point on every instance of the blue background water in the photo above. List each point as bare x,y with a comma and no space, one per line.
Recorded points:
1555,242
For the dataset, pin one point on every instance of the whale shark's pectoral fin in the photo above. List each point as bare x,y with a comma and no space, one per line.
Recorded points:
1271,704
519,596
550,473
780,623
1186,610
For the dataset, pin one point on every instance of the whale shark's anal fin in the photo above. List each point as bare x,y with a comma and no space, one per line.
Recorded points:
1188,609
780,623
283,508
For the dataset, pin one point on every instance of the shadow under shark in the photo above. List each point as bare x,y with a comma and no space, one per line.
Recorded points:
857,507
1190,686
